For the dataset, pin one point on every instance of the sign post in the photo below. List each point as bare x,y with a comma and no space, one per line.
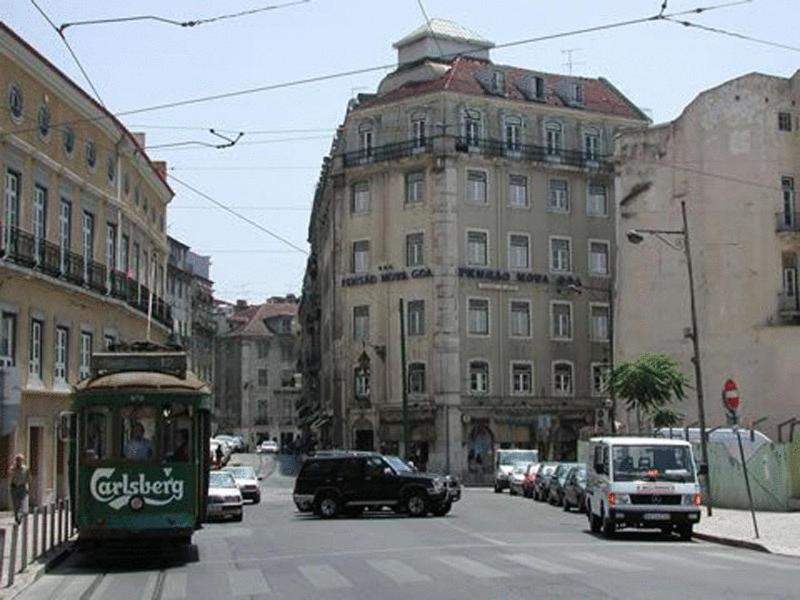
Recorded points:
732,401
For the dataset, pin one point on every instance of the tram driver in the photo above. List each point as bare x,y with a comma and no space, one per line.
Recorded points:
138,446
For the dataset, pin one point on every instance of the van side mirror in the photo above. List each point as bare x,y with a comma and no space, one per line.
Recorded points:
702,469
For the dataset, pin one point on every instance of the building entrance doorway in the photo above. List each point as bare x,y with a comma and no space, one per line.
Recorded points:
365,440
35,443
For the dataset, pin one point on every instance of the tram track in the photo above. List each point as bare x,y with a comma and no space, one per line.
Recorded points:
99,583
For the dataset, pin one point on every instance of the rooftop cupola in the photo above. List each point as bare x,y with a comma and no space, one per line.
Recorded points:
442,40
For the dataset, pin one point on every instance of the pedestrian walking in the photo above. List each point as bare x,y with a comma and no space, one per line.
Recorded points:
19,476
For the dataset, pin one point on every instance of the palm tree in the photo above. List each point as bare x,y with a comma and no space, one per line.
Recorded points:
648,385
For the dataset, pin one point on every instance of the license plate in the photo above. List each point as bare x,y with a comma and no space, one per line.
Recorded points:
656,517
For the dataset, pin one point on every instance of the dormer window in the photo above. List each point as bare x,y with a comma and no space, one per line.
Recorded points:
577,93
472,128
499,82
365,140
537,88
418,130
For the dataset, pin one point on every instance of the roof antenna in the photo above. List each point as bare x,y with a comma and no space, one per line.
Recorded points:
569,62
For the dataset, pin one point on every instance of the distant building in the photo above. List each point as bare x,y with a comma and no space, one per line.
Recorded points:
190,294
82,252
732,156
480,195
257,384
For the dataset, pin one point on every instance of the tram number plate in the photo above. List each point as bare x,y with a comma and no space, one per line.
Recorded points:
656,516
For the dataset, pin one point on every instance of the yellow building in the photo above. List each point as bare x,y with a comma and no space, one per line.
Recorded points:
83,244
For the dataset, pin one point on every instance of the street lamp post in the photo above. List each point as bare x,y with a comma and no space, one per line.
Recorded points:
636,236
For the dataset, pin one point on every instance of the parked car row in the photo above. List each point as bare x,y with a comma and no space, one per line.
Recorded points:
559,483
228,488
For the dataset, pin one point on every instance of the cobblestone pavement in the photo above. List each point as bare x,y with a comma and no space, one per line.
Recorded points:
779,531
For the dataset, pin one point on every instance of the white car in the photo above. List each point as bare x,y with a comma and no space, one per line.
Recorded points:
247,481
224,498
268,447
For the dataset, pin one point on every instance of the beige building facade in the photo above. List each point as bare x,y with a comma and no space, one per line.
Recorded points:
82,246
732,156
479,195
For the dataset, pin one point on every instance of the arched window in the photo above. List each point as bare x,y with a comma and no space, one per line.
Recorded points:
563,378
553,137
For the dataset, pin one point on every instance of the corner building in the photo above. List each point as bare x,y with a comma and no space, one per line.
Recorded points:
479,195
82,246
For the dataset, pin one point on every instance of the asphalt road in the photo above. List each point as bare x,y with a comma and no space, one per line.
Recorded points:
490,546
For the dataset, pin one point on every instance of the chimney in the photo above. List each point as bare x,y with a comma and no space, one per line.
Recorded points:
161,168
139,136
241,304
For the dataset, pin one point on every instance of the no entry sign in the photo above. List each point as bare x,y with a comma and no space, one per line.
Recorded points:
730,396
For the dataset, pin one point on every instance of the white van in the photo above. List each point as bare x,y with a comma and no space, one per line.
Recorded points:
643,483
504,462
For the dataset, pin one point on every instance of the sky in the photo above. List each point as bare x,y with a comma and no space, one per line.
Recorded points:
270,174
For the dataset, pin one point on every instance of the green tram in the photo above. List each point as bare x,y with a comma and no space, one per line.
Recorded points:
139,453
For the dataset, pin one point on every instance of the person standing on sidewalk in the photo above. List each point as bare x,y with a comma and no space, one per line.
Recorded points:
19,476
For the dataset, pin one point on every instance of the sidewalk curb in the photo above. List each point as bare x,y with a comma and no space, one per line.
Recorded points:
717,539
40,569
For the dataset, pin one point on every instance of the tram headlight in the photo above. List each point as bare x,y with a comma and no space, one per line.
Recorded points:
136,503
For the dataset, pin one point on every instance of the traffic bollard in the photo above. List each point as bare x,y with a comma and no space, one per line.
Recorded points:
44,529
52,526
35,536
58,525
23,555
12,556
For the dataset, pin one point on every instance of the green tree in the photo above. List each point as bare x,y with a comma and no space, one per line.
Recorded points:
648,385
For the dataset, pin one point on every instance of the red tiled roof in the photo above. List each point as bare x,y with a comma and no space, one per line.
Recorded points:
250,321
599,95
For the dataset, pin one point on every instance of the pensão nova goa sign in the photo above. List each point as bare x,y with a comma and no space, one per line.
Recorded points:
496,275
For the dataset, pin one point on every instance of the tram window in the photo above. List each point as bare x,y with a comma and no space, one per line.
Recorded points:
138,430
176,427
98,429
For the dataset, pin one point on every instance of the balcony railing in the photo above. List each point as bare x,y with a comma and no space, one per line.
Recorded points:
386,152
789,306
22,248
501,148
787,222
484,146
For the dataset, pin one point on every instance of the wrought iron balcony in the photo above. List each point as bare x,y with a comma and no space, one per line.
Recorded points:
23,249
789,307
787,222
502,148
386,152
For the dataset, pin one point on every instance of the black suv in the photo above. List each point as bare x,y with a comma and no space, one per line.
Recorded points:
351,482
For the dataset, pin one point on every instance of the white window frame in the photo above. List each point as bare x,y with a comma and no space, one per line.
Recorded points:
554,138
358,268
39,217
358,334
419,130
511,304
472,126
487,384
555,332
488,302
469,199
414,190
418,328
12,207
467,254
790,282
64,231
361,383
527,265
36,345
512,386
61,354
87,241
8,330
590,209
85,354
592,329
594,391
366,140
513,195
418,254
590,255
591,144
556,392
424,377
563,206
551,264
360,201
512,134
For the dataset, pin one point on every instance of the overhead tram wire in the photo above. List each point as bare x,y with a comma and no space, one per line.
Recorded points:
238,215
362,71
71,51
733,34
190,23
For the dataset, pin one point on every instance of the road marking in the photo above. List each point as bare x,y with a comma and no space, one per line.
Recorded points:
472,533
247,582
681,560
471,567
526,560
174,585
764,562
607,562
324,577
398,571
77,586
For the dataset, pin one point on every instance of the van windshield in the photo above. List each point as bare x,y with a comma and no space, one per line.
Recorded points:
653,463
518,456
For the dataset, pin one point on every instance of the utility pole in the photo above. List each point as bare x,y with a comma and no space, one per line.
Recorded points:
403,375
698,374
